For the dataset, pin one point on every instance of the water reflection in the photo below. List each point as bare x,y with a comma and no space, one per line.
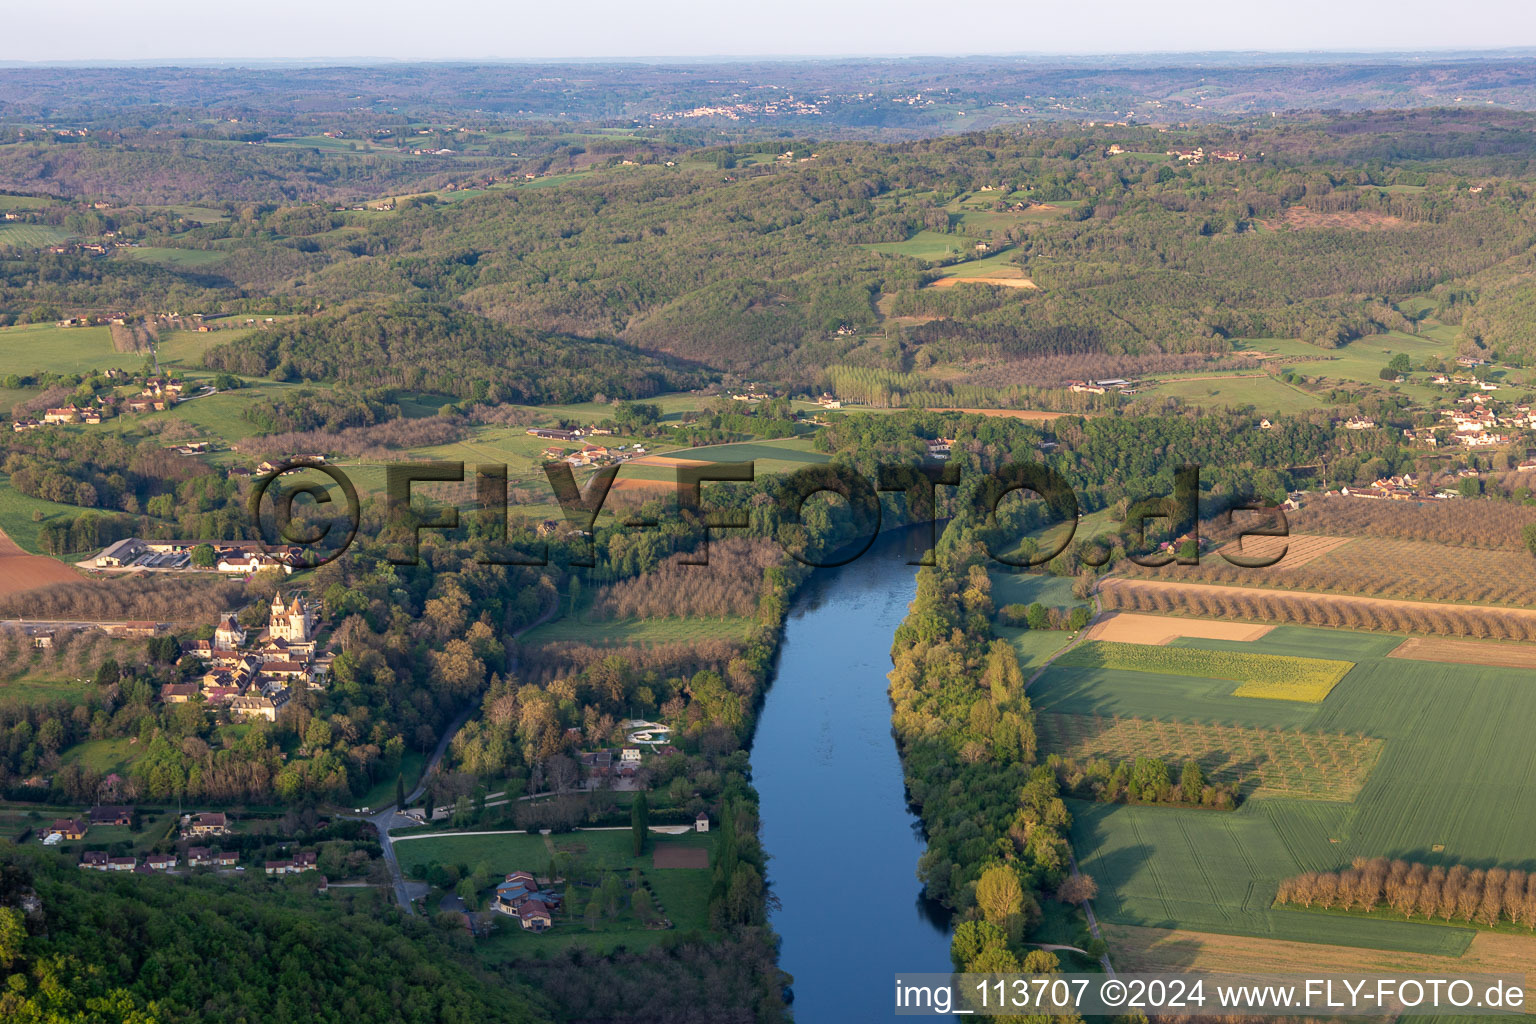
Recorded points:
843,844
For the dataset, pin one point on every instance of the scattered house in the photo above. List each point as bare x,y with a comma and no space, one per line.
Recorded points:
278,867
323,886
225,860
94,860
69,828
121,864
199,857
210,823
1359,423
43,641
178,693
535,916
701,822
113,815
630,755
304,860
160,861
66,414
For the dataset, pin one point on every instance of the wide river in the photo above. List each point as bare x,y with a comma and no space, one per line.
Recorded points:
843,847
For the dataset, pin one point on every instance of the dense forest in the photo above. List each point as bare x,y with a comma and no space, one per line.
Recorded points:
79,946
743,259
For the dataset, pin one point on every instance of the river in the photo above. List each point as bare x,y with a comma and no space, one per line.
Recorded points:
843,846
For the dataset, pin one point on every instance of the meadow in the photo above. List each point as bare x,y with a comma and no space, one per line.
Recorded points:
925,245
683,892
29,236
36,348
1454,762
180,259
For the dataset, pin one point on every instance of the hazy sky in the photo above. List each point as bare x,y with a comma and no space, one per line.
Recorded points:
145,30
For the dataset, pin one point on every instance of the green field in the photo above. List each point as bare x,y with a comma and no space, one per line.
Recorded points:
683,892
36,348
109,755
184,259
641,631
1029,587
1456,758
1270,676
22,516
39,689
24,202
1263,392
926,245
29,236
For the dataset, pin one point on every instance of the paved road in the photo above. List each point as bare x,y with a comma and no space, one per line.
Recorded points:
389,818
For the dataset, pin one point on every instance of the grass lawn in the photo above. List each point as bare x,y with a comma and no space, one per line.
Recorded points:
1455,759
36,348
683,892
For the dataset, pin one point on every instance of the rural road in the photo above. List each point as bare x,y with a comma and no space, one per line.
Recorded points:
389,817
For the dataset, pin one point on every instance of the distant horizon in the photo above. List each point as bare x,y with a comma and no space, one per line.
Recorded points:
609,31
366,60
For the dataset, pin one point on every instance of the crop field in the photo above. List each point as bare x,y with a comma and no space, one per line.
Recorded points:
1130,627
29,236
1453,758
21,571
1261,675
1332,611
35,348
1260,762
1295,551
1376,567
1161,949
1466,652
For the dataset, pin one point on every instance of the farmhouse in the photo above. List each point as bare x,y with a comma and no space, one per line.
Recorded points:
69,828
111,815
209,823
